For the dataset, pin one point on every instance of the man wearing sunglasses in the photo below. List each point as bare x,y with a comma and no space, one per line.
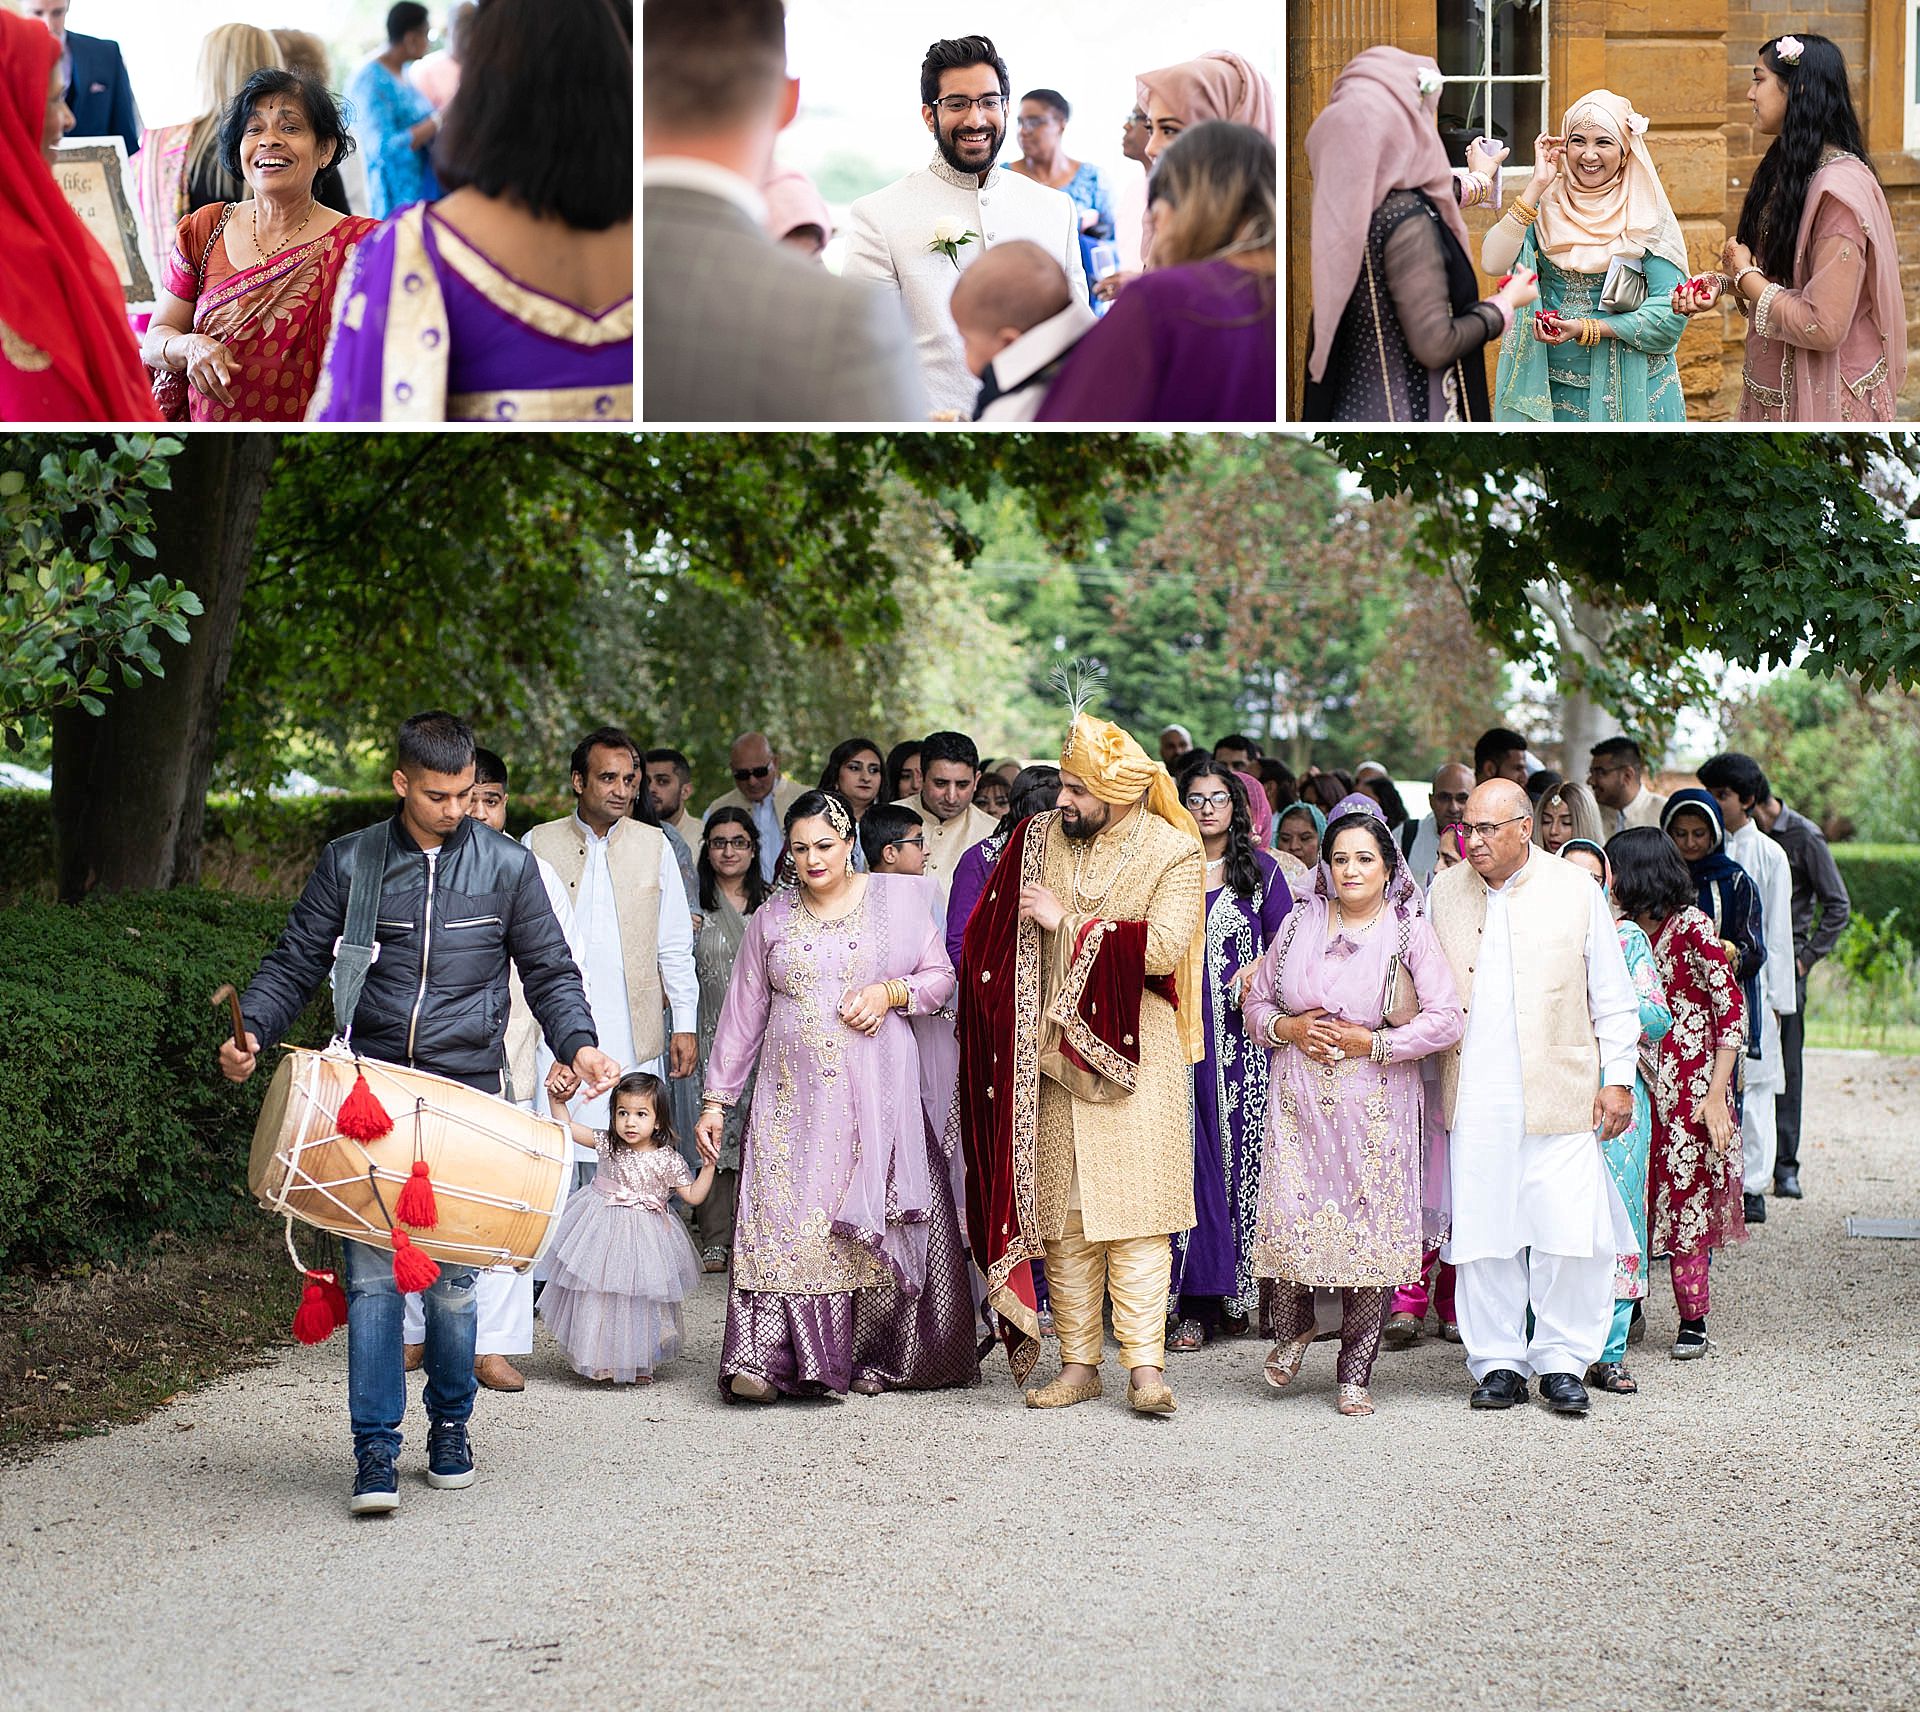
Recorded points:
918,234
762,792
1543,1073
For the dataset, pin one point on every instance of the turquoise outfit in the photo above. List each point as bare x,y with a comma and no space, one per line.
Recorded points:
1626,1154
1629,378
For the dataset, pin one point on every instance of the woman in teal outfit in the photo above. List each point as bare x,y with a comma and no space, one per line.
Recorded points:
1595,203
1626,1154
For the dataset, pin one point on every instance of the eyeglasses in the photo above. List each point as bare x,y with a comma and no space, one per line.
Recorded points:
1596,770
729,843
1034,121
1485,829
955,105
743,774
1212,799
903,843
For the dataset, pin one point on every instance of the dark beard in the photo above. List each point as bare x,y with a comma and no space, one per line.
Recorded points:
1083,827
950,154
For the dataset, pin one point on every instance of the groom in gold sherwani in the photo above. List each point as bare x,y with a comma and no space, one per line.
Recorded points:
1083,1142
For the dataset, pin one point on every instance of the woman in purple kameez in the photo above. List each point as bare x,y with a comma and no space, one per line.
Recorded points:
1213,1288
838,1202
1352,995
510,299
1195,338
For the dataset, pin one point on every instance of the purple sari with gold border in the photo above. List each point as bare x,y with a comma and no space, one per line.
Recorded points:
430,329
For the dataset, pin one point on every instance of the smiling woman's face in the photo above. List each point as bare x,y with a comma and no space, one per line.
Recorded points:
1593,156
279,154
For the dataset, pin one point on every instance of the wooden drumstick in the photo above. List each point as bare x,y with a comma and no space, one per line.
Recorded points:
226,992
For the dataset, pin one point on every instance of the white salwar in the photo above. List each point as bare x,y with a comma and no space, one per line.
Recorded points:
1766,864
503,1299
1534,1220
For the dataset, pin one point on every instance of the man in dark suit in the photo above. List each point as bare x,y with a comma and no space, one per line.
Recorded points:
737,327
98,88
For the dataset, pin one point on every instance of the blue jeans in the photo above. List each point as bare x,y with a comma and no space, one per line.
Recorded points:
376,1364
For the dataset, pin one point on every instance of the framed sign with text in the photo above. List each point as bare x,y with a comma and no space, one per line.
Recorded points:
92,175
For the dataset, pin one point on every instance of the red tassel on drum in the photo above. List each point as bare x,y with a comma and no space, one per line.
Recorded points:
416,1205
322,1310
412,1270
361,1117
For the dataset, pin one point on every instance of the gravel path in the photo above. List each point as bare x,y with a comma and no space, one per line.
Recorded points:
1744,1533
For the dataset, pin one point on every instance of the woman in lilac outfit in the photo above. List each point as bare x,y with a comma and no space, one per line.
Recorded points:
510,299
1353,993
836,1197
1195,338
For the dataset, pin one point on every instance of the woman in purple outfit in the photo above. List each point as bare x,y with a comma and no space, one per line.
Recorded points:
1213,1289
1194,339
510,299
1353,993
1034,789
837,1199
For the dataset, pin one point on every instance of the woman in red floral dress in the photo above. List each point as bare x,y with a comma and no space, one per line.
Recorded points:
1694,1169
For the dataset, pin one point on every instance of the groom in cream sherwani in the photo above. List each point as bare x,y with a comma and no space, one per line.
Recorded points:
894,235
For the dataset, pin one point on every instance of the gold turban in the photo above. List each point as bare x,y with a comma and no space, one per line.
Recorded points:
1117,770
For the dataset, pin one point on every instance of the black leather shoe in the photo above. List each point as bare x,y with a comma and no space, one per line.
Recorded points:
1501,1389
1756,1208
1563,1394
1786,1183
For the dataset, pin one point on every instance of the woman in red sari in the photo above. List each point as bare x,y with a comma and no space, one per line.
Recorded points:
248,293
66,351
1694,1175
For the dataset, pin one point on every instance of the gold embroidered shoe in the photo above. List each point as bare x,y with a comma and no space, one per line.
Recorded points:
1151,1399
1058,1394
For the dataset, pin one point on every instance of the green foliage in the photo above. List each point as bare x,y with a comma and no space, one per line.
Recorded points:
1883,883
1872,977
75,619
115,1118
1748,546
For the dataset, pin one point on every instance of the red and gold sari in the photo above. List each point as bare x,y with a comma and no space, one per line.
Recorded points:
274,317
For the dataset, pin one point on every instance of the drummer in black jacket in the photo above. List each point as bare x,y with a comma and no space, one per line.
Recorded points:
459,903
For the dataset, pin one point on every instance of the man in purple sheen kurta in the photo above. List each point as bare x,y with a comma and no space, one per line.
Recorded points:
836,1195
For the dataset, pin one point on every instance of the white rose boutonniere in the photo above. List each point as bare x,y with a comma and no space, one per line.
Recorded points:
949,233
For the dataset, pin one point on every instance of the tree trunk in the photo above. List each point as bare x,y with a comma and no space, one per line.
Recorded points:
130,787
1583,632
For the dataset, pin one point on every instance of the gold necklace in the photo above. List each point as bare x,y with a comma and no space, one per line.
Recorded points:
268,255
1086,905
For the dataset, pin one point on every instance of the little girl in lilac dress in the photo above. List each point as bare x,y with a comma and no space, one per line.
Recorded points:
621,1261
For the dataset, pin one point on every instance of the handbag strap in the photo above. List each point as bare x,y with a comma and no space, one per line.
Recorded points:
354,951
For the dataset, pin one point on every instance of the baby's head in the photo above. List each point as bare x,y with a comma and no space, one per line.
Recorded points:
1009,291
637,1114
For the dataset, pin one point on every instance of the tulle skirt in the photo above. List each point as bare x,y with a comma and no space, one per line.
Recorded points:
617,1278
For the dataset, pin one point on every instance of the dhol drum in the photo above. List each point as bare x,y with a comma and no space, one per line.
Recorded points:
500,1174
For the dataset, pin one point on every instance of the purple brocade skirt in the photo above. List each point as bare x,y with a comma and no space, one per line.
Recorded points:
801,1345
929,1342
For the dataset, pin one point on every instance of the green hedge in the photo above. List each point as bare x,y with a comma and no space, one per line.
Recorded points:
115,1122
260,847
1883,877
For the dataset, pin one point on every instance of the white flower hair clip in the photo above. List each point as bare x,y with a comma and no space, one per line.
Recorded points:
1636,123
1430,81
1788,49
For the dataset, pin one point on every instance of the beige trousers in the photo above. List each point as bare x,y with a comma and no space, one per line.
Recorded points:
1134,1271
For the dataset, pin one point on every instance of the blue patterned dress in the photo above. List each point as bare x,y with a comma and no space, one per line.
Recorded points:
1213,1262
1626,1154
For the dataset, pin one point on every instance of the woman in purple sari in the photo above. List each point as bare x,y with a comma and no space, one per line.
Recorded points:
510,299
1193,339
836,1197
1352,995
1213,1288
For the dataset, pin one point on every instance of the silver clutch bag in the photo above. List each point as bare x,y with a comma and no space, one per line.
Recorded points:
1625,289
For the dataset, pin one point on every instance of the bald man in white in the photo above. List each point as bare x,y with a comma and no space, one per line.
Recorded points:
1543,1071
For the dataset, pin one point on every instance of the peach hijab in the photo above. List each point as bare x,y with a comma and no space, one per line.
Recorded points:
1217,85
1582,230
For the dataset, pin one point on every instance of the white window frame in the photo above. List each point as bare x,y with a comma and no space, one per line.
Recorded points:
1486,80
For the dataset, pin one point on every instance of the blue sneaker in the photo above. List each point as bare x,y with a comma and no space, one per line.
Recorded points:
376,1483
449,1456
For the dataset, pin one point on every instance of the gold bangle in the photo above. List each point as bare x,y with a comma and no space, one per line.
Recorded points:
899,995
1523,214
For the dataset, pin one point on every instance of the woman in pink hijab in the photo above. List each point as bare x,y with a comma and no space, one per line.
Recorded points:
1217,85
1398,320
1813,264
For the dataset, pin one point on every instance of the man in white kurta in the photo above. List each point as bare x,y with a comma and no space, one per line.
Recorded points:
893,235
950,825
1551,1032
1772,875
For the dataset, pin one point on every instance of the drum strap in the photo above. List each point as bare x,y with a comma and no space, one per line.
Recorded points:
355,950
